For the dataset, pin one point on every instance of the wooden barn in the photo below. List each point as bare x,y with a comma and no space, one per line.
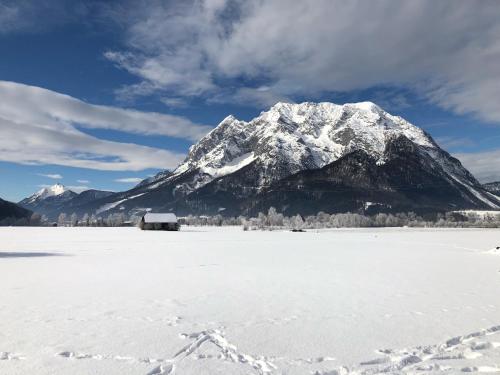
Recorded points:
159,221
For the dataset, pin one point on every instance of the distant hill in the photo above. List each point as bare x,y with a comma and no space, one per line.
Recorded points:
55,199
9,210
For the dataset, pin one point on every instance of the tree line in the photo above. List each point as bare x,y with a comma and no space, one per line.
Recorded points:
275,220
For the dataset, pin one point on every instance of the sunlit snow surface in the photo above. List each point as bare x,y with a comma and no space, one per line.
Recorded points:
224,301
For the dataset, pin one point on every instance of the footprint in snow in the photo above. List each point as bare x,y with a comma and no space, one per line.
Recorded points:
8,356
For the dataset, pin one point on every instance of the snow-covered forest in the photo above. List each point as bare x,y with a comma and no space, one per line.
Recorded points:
275,220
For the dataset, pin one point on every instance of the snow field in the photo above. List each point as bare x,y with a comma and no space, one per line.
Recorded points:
225,301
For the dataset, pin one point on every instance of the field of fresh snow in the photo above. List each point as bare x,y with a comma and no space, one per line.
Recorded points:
121,301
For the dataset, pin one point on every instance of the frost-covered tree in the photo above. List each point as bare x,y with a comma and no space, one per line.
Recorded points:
135,219
35,219
109,220
217,220
74,219
274,219
44,220
261,220
392,221
380,220
118,219
85,220
61,220
297,222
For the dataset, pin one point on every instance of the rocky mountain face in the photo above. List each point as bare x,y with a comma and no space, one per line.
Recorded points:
290,138
10,212
53,200
303,158
493,187
409,179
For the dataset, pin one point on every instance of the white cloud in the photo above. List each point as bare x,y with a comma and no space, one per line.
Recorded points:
173,102
485,166
46,125
55,176
447,51
83,181
130,180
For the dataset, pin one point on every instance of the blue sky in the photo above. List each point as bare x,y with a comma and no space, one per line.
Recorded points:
98,94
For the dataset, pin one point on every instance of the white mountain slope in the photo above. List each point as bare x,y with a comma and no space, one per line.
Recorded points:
289,138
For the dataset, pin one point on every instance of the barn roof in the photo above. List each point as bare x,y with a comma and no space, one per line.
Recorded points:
160,218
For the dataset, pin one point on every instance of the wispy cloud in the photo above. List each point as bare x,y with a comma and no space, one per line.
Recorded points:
31,16
55,176
129,180
47,126
449,142
83,181
447,51
484,166
174,102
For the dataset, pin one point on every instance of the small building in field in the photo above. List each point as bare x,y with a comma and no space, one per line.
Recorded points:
159,221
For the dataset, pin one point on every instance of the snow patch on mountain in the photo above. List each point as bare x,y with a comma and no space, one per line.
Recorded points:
232,166
109,206
44,193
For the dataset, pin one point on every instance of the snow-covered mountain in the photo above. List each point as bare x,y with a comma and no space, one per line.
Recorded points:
49,199
290,138
52,200
293,137
51,191
239,165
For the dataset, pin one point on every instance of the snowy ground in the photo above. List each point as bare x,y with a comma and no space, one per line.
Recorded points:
86,301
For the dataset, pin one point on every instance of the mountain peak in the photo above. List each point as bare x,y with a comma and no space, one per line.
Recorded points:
229,118
323,111
365,106
46,192
56,189
290,137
